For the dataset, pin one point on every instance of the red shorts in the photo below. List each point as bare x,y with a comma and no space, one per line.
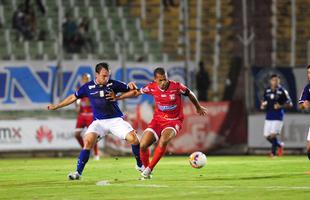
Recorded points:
158,126
84,120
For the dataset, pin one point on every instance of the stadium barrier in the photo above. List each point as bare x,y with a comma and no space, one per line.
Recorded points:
225,125
294,132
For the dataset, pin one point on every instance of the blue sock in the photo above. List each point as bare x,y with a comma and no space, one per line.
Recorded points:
83,158
269,139
308,153
278,142
136,153
274,146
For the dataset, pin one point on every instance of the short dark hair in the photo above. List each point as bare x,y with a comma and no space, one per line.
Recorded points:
308,67
274,76
101,65
159,70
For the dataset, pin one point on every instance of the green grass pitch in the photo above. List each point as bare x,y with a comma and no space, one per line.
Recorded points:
234,177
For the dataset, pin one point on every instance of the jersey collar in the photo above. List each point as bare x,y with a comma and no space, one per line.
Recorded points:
166,88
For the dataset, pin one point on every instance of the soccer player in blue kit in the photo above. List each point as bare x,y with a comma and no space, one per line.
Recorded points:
275,100
107,115
304,102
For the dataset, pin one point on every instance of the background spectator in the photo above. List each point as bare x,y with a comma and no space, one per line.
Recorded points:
69,29
202,83
24,23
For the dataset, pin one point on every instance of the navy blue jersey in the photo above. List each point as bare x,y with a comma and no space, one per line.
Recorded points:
280,96
305,96
102,108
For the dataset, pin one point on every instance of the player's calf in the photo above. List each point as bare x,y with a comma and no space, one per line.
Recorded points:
89,141
308,149
133,139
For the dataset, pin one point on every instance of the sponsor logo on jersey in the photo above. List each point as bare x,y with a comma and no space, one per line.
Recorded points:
93,93
91,87
167,108
163,95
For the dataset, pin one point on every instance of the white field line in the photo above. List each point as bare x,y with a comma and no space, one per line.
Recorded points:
107,183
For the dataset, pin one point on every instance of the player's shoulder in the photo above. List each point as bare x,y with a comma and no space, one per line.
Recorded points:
89,85
151,85
282,89
175,83
115,83
308,86
268,89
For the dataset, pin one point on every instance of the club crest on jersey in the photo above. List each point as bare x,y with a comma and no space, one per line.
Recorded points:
101,93
172,96
91,87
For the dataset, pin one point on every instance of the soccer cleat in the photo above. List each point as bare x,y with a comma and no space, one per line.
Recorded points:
146,174
96,157
74,176
271,155
281,150
140,169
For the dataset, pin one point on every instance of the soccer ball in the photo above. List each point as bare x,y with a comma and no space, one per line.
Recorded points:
197,159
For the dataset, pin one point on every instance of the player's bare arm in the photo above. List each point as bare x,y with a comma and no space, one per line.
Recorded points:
67,101
200,109
130,94
263,105
304,105
286,105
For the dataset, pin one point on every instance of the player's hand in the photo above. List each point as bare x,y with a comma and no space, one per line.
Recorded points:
51,107
277,106
305,105
202,111
132,85
111,96
263,105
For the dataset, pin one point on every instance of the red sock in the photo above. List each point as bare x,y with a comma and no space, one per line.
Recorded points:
80,140
159,152
96,150
145,156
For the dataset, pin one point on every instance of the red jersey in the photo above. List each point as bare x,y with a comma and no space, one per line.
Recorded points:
168,103
85,107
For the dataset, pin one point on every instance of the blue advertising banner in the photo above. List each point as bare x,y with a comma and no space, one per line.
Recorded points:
34,84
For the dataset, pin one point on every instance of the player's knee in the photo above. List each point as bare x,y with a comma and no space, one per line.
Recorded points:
132,138
308,146
89,142
143,146
77,134
163,142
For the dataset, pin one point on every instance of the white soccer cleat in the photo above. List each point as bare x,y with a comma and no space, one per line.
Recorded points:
74,176
140,169
96,157
146,174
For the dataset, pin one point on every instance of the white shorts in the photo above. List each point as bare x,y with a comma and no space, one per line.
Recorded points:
308,138
272,127
116,126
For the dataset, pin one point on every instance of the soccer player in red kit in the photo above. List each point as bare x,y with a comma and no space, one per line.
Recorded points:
168,115
85,117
